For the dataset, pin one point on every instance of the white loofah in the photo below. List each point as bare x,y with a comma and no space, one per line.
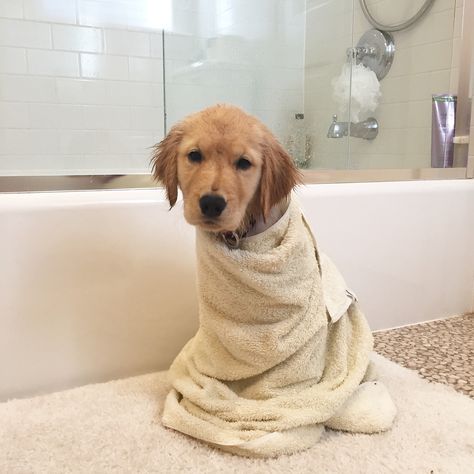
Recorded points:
359,84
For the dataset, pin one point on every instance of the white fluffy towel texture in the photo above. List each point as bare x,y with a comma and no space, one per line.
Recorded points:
281,352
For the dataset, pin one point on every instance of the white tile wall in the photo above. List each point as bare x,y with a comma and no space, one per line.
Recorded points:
104,66
250,55
60,11
83,141
181,47
128,43
52,63
145,69
14,115
128,14
156,45
27,34
128,93
80,85
424,64
12,60
88,74
84,78
27,88
147,118
11,9
99,117
28,141
78,38
79,91
56,116
458,16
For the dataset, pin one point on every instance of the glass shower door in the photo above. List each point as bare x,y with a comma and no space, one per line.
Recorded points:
328,36
250,54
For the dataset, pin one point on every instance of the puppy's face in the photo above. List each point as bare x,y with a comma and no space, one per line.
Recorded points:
228,165
219,169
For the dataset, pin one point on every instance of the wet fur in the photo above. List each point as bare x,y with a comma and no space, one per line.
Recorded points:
223,134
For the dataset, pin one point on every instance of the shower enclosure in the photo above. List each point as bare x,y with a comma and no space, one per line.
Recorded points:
88,86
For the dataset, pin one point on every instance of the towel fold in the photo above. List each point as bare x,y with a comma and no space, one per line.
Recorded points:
282,346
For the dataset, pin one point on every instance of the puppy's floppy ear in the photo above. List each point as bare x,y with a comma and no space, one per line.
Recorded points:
279,174
165,163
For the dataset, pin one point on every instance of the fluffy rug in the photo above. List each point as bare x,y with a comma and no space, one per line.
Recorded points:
115,427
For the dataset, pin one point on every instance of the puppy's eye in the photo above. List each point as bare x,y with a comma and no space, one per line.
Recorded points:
243,164
195,156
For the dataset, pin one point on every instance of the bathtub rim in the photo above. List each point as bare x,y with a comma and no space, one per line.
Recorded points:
38,183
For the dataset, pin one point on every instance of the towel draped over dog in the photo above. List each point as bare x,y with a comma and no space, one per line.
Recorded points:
282,344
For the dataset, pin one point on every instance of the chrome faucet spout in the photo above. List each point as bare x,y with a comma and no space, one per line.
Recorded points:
368,129
337,129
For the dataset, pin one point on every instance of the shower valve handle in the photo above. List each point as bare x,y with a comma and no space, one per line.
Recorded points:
359,52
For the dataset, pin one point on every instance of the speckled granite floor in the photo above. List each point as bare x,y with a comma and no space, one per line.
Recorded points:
441,351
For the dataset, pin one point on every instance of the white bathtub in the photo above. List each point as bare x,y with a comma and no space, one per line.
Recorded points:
100,285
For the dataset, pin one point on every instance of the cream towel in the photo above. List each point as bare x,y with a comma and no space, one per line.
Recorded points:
281,348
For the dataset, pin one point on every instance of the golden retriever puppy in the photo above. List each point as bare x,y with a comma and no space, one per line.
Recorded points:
282,350
231,169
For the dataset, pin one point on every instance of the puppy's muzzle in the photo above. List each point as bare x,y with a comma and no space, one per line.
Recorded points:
212,205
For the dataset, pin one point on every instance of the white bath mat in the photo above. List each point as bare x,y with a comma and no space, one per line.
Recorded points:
115,427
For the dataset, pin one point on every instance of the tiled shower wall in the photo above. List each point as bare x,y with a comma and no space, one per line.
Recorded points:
328,35
81,81
425,63
80,86
244,52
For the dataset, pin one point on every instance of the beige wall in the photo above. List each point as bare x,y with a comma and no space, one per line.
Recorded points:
425,63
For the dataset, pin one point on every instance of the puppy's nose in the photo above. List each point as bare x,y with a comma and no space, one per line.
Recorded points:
212,205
